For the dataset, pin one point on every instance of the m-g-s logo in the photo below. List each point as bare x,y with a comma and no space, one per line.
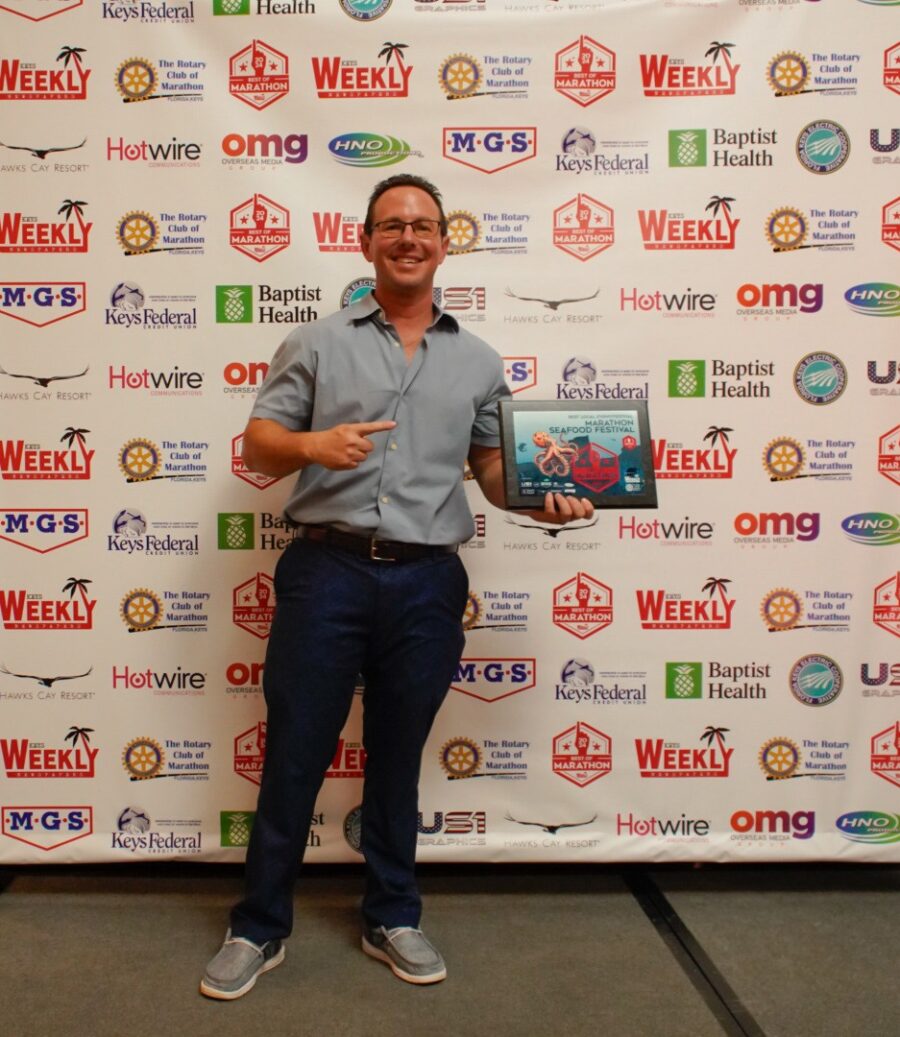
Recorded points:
40,303
490,148
493,679
47,827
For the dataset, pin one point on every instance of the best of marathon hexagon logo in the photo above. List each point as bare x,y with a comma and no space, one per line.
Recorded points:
585,71
250,752
583,227
889,455
885,756
886,605
253,605
260,228
582,754
258,75
238,468
582,605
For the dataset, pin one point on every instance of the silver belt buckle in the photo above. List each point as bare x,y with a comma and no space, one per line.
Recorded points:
373,552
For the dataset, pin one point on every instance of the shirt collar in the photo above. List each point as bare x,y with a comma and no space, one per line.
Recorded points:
367,308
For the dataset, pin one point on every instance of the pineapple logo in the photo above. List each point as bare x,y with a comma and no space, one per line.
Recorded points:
684,680
234,304
687,378
687,148
235,826
236,531
231,7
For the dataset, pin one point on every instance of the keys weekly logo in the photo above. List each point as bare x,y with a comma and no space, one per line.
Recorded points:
28,82
675,461
21,460
658,758
336,232
22,609
21,232
341,77
25,759
665,76
662,229
664,610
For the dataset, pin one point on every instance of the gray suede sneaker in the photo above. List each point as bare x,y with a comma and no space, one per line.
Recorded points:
409,954
233,971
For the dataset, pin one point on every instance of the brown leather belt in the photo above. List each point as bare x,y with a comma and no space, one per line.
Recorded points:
372,547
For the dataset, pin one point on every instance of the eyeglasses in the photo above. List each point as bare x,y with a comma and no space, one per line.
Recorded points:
395,228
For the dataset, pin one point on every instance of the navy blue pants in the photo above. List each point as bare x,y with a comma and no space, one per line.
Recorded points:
337,615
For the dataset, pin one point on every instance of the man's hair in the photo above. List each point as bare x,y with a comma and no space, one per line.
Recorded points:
404,180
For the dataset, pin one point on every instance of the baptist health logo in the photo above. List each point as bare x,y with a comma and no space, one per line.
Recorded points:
687,148
687,378
684,680
234,304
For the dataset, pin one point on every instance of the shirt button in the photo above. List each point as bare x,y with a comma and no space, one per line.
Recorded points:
393,446
384,500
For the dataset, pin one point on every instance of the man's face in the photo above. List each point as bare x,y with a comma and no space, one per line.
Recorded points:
404,265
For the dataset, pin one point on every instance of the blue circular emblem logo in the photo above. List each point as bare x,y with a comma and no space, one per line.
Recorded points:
820,378
365,10
816,680
823,146
356,290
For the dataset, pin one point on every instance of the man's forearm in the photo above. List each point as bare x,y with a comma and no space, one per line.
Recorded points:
271,449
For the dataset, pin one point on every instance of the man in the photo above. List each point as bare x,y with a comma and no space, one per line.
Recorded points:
378,407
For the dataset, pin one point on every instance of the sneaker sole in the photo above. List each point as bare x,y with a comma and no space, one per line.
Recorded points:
410,977
230,995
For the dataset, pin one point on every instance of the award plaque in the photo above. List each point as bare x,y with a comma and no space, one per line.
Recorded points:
595,449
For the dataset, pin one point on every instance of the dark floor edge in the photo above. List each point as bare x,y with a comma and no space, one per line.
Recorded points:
731,1014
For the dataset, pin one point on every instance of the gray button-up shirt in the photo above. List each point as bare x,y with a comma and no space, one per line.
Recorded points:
350,367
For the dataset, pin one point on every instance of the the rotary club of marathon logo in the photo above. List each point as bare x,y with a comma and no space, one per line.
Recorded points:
582,605
143,758
461,758
260,228
779,758
582,754
585,71
258,75
583,227
253,605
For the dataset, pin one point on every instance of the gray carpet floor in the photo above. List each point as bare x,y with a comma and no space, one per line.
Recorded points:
779,952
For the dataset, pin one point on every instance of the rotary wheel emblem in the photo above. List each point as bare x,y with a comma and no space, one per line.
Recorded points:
143,758
141,609
460,757
460,76
463,230
139,459
136,79
472,613
137,232
779,758
788,72
783,458
781,609
786,229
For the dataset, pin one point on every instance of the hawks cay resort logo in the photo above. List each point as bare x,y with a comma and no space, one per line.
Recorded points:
43,529
580,682
365,150
45,682
717,680
23,758
40,154
141,233
24,232
833,229
489,149
22,460
148,12
832,73
337,77
693,379
664,229
579,154
130,533
505,76
674,460
696,148
131,308
139,79
660,609
663,75
43,380
785,458
584,71
258,75
28,81
40,303
141,460
258,151
553,305
23,609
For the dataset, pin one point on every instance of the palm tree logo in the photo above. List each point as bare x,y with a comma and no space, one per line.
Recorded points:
68,207
714,584
393,50
716,433
723,50
68,54
710,733
717,202
74,584
75,734
76,435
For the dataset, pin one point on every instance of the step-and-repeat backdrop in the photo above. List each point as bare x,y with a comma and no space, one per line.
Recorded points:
691,203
